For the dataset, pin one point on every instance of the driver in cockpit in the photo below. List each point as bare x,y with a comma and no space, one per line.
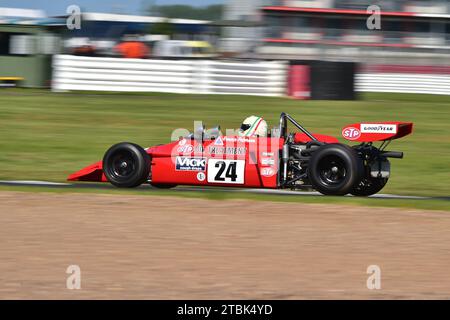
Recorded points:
253,126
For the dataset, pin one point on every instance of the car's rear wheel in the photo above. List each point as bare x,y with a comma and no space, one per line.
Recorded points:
126,165
369,186
335,169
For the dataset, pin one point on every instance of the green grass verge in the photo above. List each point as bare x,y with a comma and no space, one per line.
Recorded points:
46,136
428,204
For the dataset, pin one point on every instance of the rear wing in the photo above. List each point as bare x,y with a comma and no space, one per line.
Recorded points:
376,131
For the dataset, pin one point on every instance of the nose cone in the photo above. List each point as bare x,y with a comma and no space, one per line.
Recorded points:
93,173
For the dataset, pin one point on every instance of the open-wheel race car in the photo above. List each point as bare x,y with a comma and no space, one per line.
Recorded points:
280,160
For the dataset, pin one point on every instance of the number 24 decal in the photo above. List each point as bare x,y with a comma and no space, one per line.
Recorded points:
230,171
226,171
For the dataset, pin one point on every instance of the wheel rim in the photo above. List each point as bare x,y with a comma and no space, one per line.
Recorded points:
365,183
371,184
122,164
332,170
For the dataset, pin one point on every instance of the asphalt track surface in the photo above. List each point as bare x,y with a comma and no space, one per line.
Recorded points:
84,185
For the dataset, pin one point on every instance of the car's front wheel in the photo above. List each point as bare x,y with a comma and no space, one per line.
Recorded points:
126,165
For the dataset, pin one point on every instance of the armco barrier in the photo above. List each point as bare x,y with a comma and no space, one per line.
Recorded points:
403,83
249,77
177,76
404,79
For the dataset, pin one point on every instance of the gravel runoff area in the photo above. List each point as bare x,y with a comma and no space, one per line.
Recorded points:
152,247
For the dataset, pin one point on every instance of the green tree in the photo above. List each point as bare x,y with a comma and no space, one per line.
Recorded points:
164,28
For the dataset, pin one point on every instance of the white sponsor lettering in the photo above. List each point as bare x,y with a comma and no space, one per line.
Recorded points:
190,164
267,161
240,139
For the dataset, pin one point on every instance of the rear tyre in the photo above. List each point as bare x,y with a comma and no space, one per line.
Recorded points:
126,165
335,169
369,186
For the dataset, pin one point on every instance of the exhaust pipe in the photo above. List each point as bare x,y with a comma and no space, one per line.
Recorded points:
392,154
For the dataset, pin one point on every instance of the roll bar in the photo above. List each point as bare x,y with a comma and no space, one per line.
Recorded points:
283,126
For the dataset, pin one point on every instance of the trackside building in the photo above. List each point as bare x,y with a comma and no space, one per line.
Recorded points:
412,32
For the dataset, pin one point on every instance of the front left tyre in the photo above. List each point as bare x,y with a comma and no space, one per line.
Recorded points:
126,165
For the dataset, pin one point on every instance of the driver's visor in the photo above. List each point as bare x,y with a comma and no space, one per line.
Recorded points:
245,127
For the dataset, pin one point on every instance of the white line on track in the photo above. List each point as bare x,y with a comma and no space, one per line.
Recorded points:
315,193
33,183
188,188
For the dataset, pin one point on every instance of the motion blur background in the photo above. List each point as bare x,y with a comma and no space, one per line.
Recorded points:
136,70
412,45
62,84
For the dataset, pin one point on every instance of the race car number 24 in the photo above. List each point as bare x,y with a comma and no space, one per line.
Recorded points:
226,171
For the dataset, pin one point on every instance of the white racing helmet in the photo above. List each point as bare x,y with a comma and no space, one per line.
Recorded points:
253,126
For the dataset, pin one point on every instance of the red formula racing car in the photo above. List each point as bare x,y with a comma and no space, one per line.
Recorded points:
298,160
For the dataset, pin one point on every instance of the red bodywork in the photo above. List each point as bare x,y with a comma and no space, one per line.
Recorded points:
256,160
260,156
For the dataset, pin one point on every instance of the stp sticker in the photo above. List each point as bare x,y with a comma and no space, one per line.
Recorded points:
201,176
189,148
185,148
351,133
268,172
